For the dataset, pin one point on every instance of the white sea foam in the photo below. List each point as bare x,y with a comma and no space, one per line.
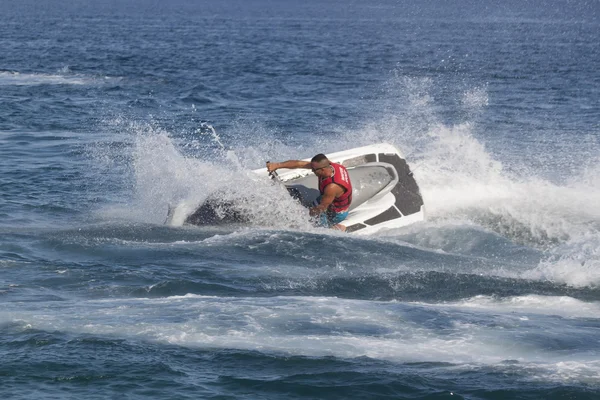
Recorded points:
563,306
320,326
9,78
577,266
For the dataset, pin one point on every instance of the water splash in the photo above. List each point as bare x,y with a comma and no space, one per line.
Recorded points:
161,176
461,180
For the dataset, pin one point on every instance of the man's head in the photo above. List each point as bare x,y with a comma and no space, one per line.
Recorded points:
320,164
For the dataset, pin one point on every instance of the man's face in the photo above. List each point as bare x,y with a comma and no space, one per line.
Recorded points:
320,168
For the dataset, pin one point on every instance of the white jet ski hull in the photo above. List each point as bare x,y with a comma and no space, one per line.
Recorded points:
393,201
385,194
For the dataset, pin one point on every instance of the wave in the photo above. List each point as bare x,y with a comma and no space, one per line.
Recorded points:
322,327
562,306
63,77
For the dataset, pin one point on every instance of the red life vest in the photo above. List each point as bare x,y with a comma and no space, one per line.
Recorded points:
340,177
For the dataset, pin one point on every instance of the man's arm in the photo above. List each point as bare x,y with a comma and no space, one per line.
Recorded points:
332,191
289,164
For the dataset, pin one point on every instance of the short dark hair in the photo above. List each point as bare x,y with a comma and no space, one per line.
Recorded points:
319,157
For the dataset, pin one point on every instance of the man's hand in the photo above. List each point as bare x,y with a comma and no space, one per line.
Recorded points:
272,166
332,191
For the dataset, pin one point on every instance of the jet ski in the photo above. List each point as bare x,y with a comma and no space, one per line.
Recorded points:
385,194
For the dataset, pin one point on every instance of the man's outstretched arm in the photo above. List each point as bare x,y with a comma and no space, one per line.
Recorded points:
289,164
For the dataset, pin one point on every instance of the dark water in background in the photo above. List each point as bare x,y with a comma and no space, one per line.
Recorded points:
105,115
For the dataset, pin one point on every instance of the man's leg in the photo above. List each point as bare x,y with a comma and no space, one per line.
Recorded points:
337,219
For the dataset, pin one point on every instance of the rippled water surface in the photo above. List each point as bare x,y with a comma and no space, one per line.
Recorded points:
111,111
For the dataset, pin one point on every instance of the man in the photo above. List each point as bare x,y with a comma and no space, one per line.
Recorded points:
334,185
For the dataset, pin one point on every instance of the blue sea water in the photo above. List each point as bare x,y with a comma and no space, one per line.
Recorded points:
112,110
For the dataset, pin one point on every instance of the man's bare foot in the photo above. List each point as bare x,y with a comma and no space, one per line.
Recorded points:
339,227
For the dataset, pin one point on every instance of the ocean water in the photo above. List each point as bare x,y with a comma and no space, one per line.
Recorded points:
112,110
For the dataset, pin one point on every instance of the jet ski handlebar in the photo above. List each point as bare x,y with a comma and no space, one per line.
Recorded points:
274,175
